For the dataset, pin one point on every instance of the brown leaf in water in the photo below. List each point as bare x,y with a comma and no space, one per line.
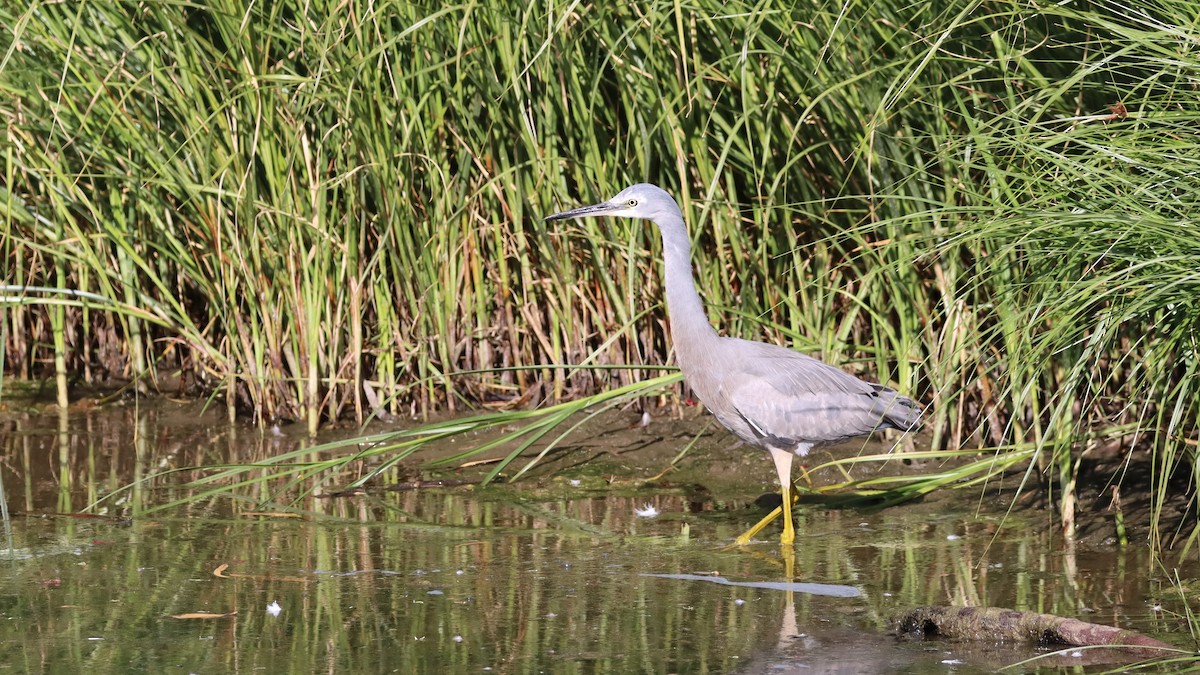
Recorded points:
219,572
271,514
479,462
204,615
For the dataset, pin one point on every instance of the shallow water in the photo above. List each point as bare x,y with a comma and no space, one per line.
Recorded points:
497,580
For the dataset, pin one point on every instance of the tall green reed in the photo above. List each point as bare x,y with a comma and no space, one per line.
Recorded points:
333,209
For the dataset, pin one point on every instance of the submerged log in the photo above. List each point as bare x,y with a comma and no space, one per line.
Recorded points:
1000,624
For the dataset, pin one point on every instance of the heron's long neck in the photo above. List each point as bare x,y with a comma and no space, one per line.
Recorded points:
691,332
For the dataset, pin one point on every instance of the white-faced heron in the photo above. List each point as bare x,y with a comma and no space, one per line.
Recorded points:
768,396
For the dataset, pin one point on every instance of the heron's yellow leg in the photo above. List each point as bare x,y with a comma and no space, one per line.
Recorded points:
789,531
770,517
749,534
783,466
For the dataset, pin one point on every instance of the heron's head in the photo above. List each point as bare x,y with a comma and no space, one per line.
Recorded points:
636,201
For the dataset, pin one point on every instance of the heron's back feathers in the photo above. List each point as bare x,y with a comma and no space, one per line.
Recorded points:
769,395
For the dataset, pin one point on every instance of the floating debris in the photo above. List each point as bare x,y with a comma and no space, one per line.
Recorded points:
647,511
831,590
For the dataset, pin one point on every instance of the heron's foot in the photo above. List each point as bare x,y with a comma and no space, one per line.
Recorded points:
747,536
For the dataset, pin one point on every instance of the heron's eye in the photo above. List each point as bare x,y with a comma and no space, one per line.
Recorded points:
631,203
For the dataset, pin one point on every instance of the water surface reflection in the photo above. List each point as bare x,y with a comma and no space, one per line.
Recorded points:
463,580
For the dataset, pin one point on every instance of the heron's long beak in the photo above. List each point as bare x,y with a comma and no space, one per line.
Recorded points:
601,209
